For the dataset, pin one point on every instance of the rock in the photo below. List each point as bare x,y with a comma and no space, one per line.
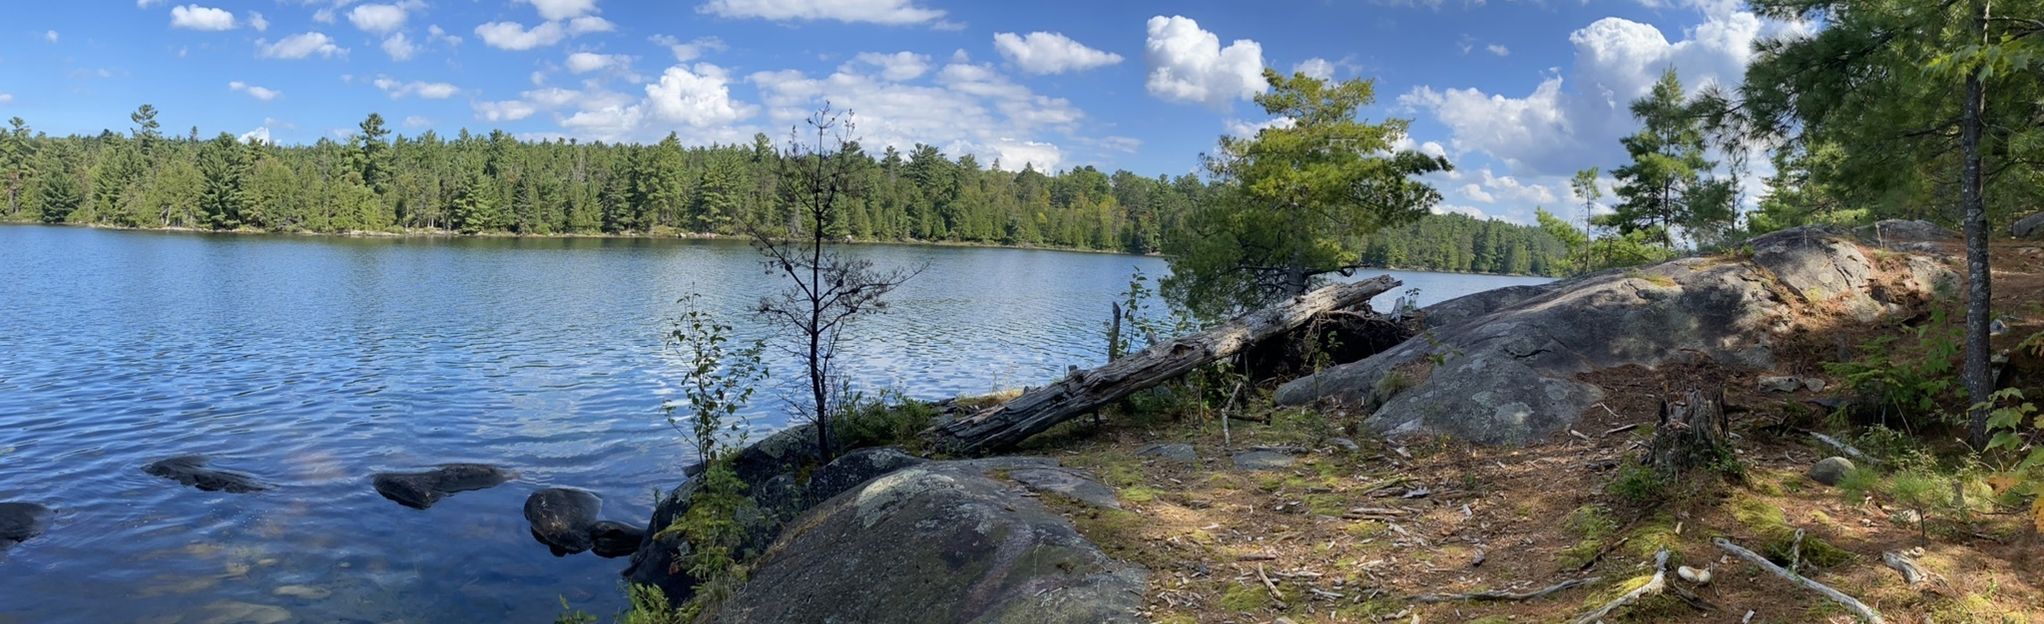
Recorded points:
1176,452
1693,575
302,592
191,470
935,542
1513,375
21,521
1345,444
769,469
561,518
1067,483
1782,383
1473,305
1894,232
1830,470
1262,460
2028,227
237,612
855,468
419,490
610,539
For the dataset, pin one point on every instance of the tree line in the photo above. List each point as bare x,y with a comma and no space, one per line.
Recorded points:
378,181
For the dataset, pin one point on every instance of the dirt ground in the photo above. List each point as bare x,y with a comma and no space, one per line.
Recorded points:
1364,534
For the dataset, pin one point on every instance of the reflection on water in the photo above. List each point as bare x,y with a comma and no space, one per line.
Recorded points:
312,362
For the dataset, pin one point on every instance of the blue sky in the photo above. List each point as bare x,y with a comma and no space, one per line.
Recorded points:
1518,94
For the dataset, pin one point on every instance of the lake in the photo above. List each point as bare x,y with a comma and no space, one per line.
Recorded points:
313,362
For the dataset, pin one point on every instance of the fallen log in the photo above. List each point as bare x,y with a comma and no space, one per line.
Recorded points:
1003,426
1858,608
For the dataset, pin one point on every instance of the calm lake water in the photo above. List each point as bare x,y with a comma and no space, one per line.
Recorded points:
313,362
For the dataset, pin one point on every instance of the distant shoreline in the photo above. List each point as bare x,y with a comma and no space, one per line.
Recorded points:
450,234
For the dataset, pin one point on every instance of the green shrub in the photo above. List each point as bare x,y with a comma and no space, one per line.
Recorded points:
891,420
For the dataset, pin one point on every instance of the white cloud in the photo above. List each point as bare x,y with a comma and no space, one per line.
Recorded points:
514,36
143,4
6,98
415,122
1188,64
259,135
895,67
399,47
557,10
300,46
254,91
258,22
377,18
195,17
964,108
699,97
1316,67
685,51
508,110
50,36
1575,120
1475,192
585,62
1498,49
439,35
589,24
1050,53
1247,129
894,12
427,90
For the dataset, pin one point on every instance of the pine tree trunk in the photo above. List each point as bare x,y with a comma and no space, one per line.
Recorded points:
1692,434
1979,296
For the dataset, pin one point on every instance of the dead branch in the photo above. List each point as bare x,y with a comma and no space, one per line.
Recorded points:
1911,573
1859,608
1498,595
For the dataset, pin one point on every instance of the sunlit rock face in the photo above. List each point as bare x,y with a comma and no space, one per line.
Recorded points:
1504,367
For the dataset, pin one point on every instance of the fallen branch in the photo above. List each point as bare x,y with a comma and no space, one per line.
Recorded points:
1843,447
1267,584
1911,573
1860,608
1498,595
1652,586
1036,410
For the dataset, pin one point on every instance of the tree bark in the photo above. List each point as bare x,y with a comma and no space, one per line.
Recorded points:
1691,434
1004,426
1979,377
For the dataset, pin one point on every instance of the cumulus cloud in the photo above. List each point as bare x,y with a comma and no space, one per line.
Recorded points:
893,12
1050,53
377,18
427,90
585,62
1575,119
963,108
1498,49
415,121
1188,64
507,110
259,135
399,47
698,96
195,17
1316,67
6,98
254,91
685,51
515,36
895,67
300,46
258,22
440,35
557,10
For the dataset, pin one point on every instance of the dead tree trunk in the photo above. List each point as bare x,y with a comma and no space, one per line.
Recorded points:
1006,425
1692,434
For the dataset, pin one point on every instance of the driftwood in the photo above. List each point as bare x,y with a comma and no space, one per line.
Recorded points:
1859,608
1498,595
1652,586
1006,425
1691,434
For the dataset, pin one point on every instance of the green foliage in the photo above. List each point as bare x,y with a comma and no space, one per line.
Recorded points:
718,381
1591,525
1577,242
2015,422
1456,242
1639,484
1669,183
892,419
719,378
1913,386
1293,198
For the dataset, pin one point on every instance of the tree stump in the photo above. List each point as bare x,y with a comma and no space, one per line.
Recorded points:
1693,433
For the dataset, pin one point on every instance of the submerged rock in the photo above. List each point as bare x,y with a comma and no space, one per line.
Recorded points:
419,490
21,521
935,542
610,539
302,592
1512,375
192,470
562,517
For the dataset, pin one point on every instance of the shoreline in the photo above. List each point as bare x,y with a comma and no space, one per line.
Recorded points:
450,234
